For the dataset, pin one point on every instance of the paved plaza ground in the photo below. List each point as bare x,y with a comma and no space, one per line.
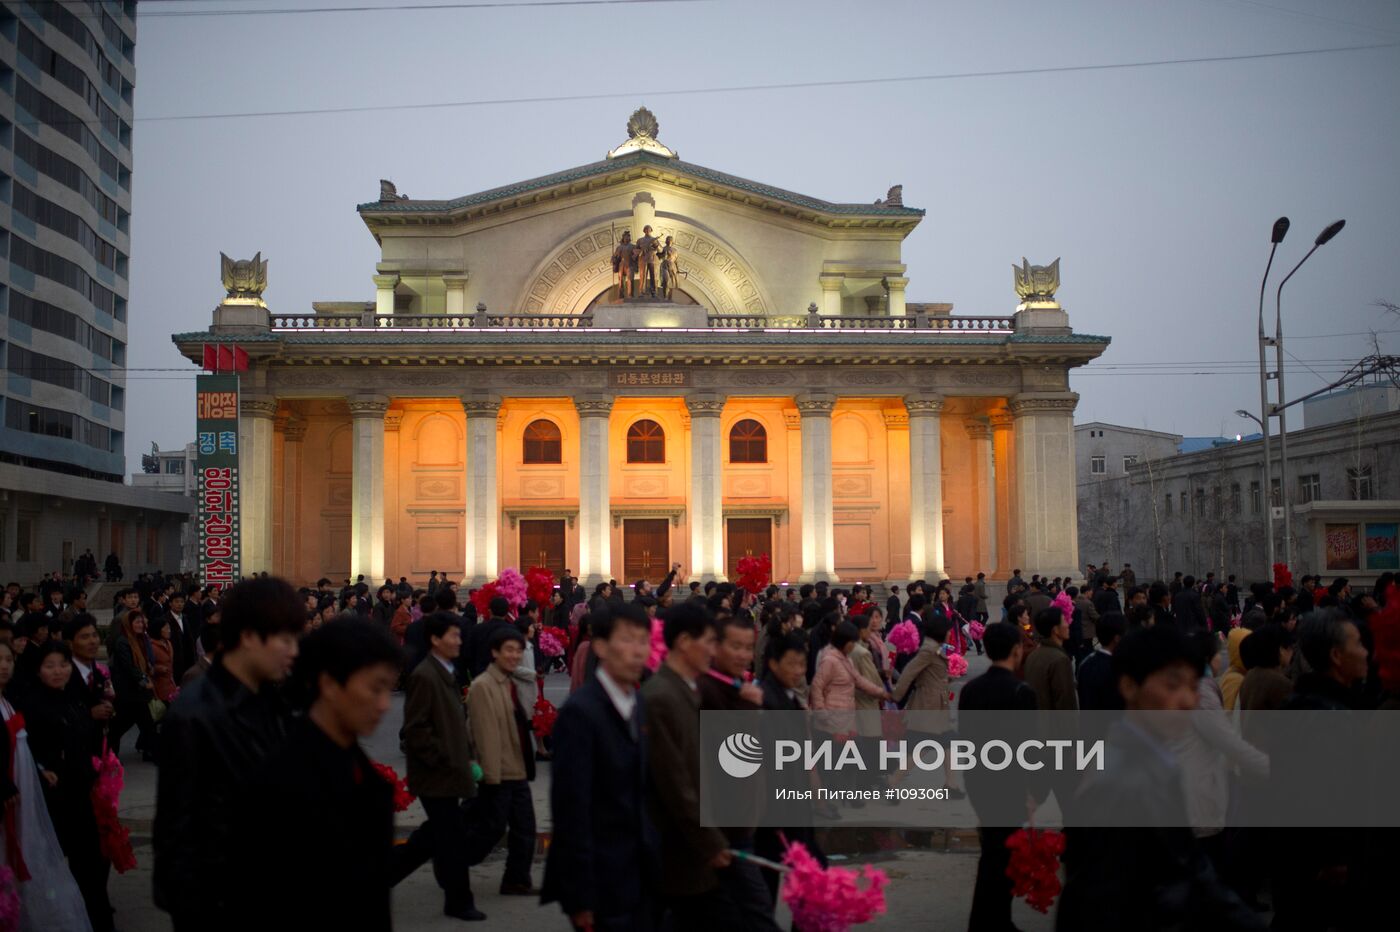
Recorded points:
930,882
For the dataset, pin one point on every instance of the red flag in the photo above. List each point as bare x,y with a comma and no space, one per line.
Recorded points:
211,358
240,359
225,358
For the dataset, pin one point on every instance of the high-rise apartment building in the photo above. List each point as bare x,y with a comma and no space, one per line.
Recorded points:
67,80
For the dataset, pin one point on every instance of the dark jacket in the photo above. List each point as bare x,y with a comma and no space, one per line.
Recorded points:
1106,600
1098,687
1142,879
321,830
1190,614
605,852
892,610
435,737
477,653
63,738
1050,672
997,796
214,737
673,736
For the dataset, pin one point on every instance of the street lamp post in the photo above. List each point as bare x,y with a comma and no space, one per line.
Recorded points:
1330,231
1279,232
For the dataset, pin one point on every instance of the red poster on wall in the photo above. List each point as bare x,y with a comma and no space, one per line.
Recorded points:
1342,547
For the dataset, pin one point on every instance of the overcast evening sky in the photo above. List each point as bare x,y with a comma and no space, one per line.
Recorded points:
1157,186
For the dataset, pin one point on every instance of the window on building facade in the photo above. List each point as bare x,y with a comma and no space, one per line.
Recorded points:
1183,503
175,467
646,443
1359,484
1234,498
543,443
1200,503
1098,465
1168,499
748,442
1129,460
24,540
1256,498
1309,488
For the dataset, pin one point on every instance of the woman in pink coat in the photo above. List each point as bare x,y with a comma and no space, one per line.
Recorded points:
833,692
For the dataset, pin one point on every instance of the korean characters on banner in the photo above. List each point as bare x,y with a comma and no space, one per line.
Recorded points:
216,426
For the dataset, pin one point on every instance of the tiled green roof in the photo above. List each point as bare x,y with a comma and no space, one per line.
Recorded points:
607,166
787,337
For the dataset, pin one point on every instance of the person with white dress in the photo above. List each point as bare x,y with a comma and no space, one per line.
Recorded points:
49,899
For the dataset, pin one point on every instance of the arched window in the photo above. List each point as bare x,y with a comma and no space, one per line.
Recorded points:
748,442
646,443
543,443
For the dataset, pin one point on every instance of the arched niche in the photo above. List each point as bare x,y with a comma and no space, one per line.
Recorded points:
340,447
850,439
438,442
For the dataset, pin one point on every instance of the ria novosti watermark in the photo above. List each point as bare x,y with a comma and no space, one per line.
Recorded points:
1294,769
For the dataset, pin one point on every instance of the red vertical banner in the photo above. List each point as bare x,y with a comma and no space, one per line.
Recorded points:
216,433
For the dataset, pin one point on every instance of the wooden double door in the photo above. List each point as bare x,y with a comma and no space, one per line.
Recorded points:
646,549
746,537
542,544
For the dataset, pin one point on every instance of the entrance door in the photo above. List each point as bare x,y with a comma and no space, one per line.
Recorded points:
748,537
646,549
542,544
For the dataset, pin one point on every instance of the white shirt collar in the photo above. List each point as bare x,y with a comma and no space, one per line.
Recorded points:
446,665
625,701
83,669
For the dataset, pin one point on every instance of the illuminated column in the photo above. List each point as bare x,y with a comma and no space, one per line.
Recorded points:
456,285
925,486
287,549
831,293
706,489
384,286
367,487
255,424
483,514
1004,454
594,496
1045,487
818,519
895,288
985,482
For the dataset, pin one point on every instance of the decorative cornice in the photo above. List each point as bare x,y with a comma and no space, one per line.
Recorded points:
294,432
621,512
1048,404
539,512
1002,420
704,405
776,512
792,420
393,420
481,407
895,420
977,430
257,407
593,407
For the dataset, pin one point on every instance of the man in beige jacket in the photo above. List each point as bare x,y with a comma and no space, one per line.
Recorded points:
501,734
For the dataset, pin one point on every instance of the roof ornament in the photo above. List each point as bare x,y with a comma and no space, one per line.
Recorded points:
893,198
1036,284
245,280
641,137
388,192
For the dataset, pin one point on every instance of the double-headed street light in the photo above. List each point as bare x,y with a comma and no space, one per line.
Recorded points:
1279,232
1323,238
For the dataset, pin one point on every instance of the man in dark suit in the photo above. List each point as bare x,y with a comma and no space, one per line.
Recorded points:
437,744
892,615
1190,614
601,866
1098,687
691,853
998,797
478,652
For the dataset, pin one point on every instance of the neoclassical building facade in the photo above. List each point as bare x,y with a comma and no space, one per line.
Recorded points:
497,405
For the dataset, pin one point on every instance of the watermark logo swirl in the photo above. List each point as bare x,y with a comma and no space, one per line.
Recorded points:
740,755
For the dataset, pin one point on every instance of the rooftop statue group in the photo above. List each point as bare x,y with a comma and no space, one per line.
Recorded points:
635,265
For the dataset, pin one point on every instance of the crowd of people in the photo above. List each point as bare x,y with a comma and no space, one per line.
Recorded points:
253,702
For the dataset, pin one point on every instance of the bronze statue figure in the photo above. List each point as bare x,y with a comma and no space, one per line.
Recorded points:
646,250
670,269
623,264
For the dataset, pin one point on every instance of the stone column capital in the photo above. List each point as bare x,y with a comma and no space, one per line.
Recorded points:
386,280
1001,420
896,420
599,406
457,280
368,406
255,406
831,281
815,405
924,405
1047,403
895,283
393,420
978,430
481,405
705,405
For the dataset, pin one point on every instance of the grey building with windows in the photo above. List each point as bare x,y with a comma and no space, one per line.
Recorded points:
67,79
1207,511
